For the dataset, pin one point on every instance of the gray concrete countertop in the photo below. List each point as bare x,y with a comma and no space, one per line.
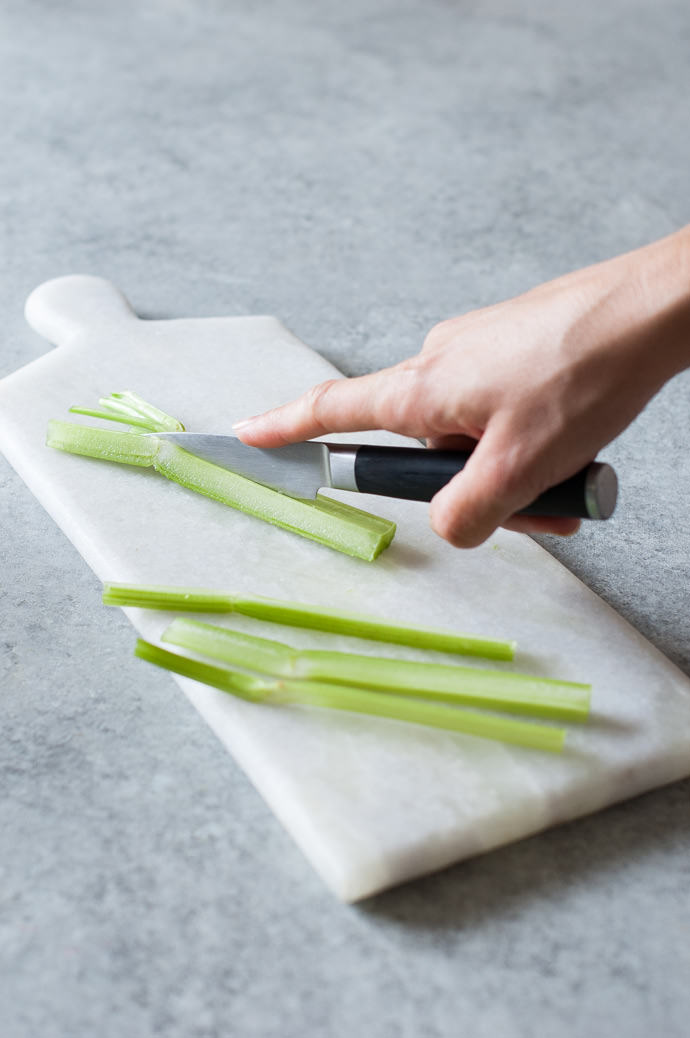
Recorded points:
361,171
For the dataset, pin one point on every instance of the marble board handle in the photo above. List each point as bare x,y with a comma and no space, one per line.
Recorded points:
65,308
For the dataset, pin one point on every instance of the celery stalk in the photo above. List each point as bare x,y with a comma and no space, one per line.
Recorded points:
124,447
129,408
131,403
373,628
236,648
518,693
378,704
90,412
226,680
182,599
298,614
353,532
346,529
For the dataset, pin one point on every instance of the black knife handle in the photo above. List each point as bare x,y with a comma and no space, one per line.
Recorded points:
417,473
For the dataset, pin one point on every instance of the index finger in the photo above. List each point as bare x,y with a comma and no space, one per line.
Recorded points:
338,405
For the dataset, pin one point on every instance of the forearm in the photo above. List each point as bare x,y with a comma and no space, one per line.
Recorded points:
650,299
669,285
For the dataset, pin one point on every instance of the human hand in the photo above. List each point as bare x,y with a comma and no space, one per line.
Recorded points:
537,385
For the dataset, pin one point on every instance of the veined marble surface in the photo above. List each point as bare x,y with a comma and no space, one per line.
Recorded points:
361,171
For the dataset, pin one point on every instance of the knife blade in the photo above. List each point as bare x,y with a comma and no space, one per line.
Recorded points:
414,473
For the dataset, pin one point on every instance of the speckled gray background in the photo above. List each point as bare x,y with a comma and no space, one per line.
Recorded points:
360,170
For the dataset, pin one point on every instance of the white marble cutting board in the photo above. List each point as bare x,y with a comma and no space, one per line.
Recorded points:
370,802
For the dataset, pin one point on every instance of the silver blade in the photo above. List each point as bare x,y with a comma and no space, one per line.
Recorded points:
300,469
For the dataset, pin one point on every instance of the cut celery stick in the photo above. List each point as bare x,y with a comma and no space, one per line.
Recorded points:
90,412
323,618
434,715
517,693
346,529
298,614
219,677
130,409
181,599
353,532
131,403
124,447
337,697
247,651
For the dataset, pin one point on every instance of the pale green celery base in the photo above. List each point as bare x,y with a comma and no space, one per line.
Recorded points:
297,614
450,684
345,531
378,704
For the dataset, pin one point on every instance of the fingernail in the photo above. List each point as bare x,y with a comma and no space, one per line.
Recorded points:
244,422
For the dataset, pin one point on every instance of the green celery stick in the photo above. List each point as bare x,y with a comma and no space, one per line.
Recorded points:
90,412
354,532
131,403
374,628
181,599
433,715
125,447
130,409
345,529
518,693
226,680
378,704
235,647
298,614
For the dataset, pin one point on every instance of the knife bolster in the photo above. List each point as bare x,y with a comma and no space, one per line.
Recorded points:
341,462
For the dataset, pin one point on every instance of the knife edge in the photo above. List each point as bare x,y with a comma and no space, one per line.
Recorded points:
298,469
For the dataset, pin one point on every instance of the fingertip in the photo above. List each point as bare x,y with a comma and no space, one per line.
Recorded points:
266,430
244,428
309,415
251,430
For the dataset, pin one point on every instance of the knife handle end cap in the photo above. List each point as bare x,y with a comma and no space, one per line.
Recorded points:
601,490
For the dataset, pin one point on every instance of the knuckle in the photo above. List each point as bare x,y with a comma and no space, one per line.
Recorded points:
316,399
411,378
414,366
403,397
499,472
515,472
503,466
440,334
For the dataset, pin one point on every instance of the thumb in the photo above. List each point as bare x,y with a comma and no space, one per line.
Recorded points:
494,484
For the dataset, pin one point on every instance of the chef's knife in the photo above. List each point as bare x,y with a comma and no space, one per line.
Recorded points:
416,473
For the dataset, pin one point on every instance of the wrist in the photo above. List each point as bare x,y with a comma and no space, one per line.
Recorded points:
655,284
